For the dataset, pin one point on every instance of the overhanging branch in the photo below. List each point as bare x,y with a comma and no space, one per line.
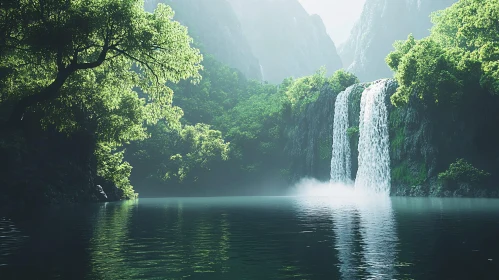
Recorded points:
137,60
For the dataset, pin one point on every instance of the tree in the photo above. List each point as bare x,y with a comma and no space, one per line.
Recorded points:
461,53
341,79
429,71
49,45
306,89
401,49
472,27
179,153
100,66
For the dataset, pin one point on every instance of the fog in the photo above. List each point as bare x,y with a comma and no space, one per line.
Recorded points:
339,16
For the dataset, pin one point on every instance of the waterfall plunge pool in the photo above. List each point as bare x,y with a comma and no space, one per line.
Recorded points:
300,237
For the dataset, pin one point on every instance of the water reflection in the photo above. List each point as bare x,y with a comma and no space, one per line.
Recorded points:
11,240
330,237
377,227
358,220
157,240
107,246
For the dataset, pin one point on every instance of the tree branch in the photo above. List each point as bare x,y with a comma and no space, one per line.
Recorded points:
52,91
60,65
97,63
137,60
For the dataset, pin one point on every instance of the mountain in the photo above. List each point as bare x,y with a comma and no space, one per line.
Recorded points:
216,30
285,38
381,23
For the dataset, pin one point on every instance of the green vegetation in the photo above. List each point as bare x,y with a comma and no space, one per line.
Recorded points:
103,73
451,77
397,129
325,145
353,131
99,66
462,171
256,118
178,153
97,79
460,54
403,174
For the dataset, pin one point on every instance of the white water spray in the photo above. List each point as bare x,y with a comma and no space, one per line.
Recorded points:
340,160
373,174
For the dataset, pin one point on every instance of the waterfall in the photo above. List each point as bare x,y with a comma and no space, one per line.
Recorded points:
340,160
261,72
373,174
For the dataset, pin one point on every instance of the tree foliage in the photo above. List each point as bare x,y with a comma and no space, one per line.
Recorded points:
178,154
53,40
97,65
306,89
461,53
463,171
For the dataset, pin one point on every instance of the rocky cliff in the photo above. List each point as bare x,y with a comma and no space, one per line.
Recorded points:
216,30
265,39
381,23
285,38
310,135
424,141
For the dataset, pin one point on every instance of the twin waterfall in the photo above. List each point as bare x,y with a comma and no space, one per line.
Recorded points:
373,174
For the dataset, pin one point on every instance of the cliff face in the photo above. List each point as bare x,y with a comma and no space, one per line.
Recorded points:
310,135
285,38
424,141
265,39
381,23
216,30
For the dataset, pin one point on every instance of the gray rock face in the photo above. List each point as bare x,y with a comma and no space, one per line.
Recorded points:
285,38
310,137
382,22
216,30
425,139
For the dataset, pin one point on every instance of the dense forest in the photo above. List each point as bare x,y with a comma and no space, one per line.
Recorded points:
103,99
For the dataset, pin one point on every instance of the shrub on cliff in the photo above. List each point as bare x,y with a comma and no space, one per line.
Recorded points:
462,172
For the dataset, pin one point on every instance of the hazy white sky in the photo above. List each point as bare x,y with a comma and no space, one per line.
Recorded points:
339,16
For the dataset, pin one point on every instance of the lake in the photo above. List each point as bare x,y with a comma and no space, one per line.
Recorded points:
256,238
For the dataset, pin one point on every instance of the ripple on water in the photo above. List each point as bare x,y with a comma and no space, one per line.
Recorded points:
11,240
261,238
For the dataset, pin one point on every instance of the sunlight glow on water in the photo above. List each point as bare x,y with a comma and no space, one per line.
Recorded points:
353,211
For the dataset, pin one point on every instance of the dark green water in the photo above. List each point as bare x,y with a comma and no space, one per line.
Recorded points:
257,238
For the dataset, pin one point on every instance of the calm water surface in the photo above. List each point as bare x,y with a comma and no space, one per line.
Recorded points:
257,238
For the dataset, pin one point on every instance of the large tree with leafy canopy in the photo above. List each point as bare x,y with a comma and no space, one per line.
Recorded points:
55,49
461,53
97,65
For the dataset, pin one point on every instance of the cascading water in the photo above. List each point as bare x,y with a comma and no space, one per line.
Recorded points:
373,174
340,160
261,73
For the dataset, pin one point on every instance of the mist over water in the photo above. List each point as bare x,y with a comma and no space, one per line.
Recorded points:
354,213
331,191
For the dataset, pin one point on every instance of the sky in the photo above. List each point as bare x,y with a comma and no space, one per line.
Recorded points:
338,16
